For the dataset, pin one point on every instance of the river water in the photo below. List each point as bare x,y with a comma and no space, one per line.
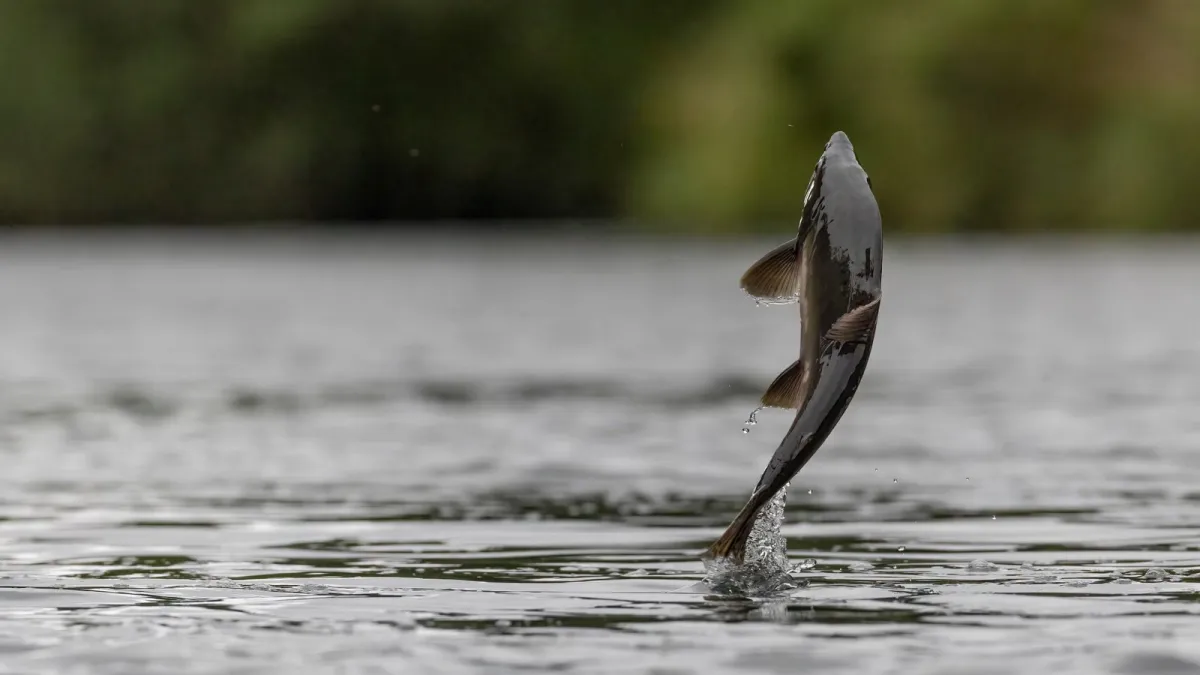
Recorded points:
358,453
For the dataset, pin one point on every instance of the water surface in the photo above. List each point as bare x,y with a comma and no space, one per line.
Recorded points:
366,454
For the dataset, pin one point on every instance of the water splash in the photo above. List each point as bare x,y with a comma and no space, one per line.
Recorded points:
782,300
765,568
982,566
752,420
767,546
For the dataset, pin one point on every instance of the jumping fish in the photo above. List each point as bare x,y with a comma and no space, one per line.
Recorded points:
833,270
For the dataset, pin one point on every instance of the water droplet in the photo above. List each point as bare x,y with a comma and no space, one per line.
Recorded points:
752,420
1154,574
901,549
810,492
503,623
968,478
895,480
784,300
993,517
860,566
806,564
876,469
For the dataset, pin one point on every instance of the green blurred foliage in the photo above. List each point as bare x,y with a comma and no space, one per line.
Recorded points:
190,110
968,114
698,114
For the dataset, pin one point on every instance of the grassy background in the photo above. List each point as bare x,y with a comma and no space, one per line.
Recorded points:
693,115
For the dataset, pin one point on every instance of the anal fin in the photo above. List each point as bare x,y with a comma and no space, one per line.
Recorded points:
855,325
787,390
775,276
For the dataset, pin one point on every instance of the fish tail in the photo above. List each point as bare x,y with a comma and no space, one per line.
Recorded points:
732,542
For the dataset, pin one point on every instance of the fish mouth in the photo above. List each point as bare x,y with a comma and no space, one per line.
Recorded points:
839,150
839,139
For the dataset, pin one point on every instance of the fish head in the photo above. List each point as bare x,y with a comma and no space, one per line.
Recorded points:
848,213
840,161
836,175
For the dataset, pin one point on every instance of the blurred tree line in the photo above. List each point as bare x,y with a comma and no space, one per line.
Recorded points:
687,114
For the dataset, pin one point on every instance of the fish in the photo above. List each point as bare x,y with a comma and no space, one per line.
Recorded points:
833,270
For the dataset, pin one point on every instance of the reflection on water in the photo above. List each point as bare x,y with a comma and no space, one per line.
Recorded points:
471,456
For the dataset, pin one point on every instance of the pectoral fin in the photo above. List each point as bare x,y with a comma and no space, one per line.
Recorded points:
776,275
787,390
855,325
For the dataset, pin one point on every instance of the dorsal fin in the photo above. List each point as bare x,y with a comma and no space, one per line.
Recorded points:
775,276
787,390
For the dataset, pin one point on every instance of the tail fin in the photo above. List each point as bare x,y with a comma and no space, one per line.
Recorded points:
732,543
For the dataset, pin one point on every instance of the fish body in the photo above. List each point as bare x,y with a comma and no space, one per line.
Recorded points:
833,271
